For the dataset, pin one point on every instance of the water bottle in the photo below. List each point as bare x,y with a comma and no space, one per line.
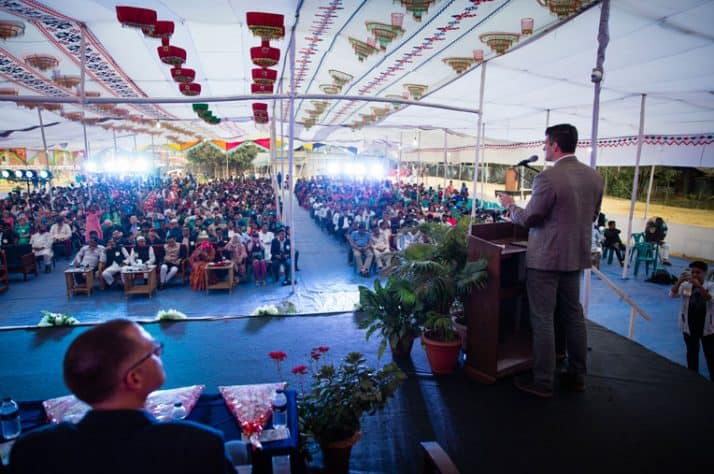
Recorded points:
280,409
178,412
10,419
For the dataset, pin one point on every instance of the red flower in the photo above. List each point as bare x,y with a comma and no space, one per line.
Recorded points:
278,356
323,349
299,370
315,355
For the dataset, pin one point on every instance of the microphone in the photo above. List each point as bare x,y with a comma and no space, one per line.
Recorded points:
528,160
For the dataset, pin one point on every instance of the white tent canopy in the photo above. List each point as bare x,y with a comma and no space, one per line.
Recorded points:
659,48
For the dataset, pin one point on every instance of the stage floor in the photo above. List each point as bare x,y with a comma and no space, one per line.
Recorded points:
325,284
640,412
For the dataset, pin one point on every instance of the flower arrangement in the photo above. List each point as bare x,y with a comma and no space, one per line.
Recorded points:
285,307
337,396
170,315
266,310
57,319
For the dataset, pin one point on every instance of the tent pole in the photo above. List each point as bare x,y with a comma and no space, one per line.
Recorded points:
399,160
273,144
291,139
446,156
649,191
282,154
82,95
483,157
478,142
635,183
44,146
547,124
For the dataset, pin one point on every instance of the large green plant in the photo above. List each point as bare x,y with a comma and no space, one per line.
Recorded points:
392,309
438,270
339,395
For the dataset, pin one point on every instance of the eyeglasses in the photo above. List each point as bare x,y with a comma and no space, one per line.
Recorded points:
157,350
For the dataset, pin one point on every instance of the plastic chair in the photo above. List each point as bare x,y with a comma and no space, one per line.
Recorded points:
645,253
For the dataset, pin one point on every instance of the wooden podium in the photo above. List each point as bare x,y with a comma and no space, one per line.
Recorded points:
499,336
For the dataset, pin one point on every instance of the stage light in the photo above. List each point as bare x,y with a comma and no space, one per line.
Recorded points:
359,170
333,169
141,165
376,171
6,174
90,167
19,174
113,166
30,174
44,174
349,169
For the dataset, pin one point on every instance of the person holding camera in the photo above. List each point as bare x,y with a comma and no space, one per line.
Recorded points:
696,316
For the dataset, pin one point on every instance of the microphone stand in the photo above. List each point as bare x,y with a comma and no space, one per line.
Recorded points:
526,165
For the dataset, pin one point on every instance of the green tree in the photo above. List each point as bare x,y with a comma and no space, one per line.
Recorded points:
206,158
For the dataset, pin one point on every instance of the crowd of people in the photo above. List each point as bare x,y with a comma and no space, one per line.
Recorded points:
377,218
177,225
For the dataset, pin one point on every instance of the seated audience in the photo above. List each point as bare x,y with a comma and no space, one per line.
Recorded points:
61,233
172,260
114,367
258,259
655,233
280,257
380,246
613,241
235,252
199,259
360,241
41,242
142,253
116,257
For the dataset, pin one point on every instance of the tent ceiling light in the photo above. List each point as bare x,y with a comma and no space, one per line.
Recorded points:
43,62
190,89
397,19
74,116
459,64
562,8
161,29
329,88
395,96
417,7
52,107
105,107
182,74
121,112
11,29
136,17
362,49
264,76
527,26
28,105
67,81
383,33
264,55
89,94
416,90
172,55
478,55
499,42
261,88
340,78
266,25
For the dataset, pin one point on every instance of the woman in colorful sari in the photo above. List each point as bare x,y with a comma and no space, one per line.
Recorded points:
200,258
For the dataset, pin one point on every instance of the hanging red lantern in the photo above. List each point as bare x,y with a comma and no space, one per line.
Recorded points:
136,17
266,25
264,55
172,55
182,74
261,88
161,29
260,107
264,76
190,89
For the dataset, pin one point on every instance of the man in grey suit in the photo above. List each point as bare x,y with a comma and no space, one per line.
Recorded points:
565,201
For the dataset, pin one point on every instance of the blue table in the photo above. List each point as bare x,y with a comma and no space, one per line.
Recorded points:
211,410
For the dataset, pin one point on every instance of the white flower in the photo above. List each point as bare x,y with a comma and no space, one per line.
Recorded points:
170,315
57,319
266,310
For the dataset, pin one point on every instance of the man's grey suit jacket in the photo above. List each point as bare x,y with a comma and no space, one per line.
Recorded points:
565,201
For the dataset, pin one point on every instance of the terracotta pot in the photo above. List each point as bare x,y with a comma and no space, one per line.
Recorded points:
403,349
461,330
442,356
336,455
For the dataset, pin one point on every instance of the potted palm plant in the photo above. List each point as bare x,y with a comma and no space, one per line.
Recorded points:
338,396
440,274
392,310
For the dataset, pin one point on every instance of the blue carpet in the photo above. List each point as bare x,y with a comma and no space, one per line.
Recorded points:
327,284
